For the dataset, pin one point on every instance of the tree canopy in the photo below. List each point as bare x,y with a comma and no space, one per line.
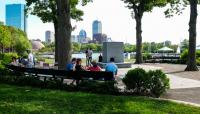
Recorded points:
46,9
13,39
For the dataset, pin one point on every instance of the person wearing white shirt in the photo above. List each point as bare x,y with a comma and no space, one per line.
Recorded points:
30,60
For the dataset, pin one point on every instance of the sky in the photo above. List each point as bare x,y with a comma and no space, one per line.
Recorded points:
117,23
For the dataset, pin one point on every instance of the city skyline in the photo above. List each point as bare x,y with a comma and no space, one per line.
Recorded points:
118,23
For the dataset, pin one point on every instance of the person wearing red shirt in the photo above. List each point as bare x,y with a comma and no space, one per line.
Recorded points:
94,67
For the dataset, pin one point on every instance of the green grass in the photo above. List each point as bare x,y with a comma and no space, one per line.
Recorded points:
23,100
49,61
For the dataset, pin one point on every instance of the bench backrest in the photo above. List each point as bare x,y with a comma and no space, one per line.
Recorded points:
65,74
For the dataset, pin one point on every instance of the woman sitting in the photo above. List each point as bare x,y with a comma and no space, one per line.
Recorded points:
94,67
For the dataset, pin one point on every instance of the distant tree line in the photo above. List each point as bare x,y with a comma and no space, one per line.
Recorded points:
13,40
147,47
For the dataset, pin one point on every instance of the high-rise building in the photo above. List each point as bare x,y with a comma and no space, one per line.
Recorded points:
167,43
49,36
99,38
96,28
82,36
15,16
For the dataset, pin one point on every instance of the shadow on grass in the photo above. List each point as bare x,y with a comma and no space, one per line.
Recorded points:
20,100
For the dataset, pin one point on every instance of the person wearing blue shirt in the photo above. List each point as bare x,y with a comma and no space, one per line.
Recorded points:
71,66
111,67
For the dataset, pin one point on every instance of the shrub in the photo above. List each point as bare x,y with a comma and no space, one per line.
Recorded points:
158,82
135,80
86,86
184,57
7,57
153,83
146,56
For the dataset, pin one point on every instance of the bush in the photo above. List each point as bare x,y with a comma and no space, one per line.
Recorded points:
184,57
158,82
86,86
6,58
153,83
146,56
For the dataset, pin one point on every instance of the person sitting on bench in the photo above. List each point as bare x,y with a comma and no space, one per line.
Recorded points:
14,61
111,67
71,66
78,66
94,67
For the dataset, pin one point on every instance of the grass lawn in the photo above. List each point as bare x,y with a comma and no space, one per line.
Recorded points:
23,100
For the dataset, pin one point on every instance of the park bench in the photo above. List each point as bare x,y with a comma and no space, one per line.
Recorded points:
62,74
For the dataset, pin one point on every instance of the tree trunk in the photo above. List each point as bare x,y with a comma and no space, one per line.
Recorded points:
191,64
139,59
64,33
56,40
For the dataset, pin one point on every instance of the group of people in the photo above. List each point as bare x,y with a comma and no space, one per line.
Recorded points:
29,62
76,65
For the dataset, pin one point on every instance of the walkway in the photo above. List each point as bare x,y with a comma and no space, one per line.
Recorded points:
185,86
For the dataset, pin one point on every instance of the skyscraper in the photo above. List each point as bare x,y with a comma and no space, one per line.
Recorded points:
49,37
15,16
96,28
82,36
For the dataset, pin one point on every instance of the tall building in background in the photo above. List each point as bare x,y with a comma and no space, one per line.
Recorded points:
49,36
96,28
99,38
82,36
15,16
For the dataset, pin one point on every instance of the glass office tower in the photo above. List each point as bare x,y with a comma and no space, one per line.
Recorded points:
96,27
15,16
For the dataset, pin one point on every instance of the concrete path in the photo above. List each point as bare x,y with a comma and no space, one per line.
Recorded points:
181,88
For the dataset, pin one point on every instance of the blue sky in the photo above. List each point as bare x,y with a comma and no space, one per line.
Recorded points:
117,23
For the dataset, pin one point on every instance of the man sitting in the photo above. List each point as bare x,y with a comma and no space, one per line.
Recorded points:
111,67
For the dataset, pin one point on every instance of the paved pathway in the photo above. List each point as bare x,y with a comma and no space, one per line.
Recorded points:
184,86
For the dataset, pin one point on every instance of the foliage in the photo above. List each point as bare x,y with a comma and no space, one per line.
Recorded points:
184,45
5,37
99,87
86,86
13,39
153,83
46,10
7,57
147,56
129,48
184,57
24,100
158,83
1,23
76,47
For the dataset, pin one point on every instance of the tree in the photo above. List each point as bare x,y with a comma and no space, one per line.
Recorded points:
176,6
1,23
184,45
138,8
5,37
50,11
